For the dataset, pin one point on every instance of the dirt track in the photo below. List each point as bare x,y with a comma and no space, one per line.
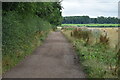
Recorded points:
54,59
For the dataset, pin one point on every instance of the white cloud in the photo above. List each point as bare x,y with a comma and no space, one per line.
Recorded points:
92,8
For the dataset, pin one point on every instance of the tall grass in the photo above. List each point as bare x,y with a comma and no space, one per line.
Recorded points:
98,59
104,39
90,36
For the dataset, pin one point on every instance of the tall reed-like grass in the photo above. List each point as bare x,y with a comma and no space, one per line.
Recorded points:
90,36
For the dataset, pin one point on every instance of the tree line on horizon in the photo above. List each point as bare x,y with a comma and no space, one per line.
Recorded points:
88,20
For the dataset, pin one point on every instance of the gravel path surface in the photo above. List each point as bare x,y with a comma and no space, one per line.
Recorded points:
54,59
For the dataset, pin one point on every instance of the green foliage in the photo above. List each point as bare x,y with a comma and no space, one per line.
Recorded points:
118,54
50,11
25,26
76,20
21,36
99,60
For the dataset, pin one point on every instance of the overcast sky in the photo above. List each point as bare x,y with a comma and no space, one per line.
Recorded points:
92,8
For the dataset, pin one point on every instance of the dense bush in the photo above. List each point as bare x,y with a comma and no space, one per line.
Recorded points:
21,36
18,30
49,11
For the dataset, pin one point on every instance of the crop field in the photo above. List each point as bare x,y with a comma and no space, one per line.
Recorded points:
112,34
96,48
94,25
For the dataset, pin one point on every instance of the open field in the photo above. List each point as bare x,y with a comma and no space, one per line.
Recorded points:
110,32
94,25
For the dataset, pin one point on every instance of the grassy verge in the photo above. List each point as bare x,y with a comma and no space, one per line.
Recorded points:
99,60
11,59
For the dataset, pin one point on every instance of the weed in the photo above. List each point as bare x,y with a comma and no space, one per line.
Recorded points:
104,39
99,60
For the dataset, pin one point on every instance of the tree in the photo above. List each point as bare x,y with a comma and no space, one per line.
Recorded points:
88,20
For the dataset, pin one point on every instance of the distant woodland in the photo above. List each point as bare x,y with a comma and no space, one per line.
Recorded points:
88,20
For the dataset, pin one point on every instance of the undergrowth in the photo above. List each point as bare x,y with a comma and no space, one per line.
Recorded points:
99,60
21,35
